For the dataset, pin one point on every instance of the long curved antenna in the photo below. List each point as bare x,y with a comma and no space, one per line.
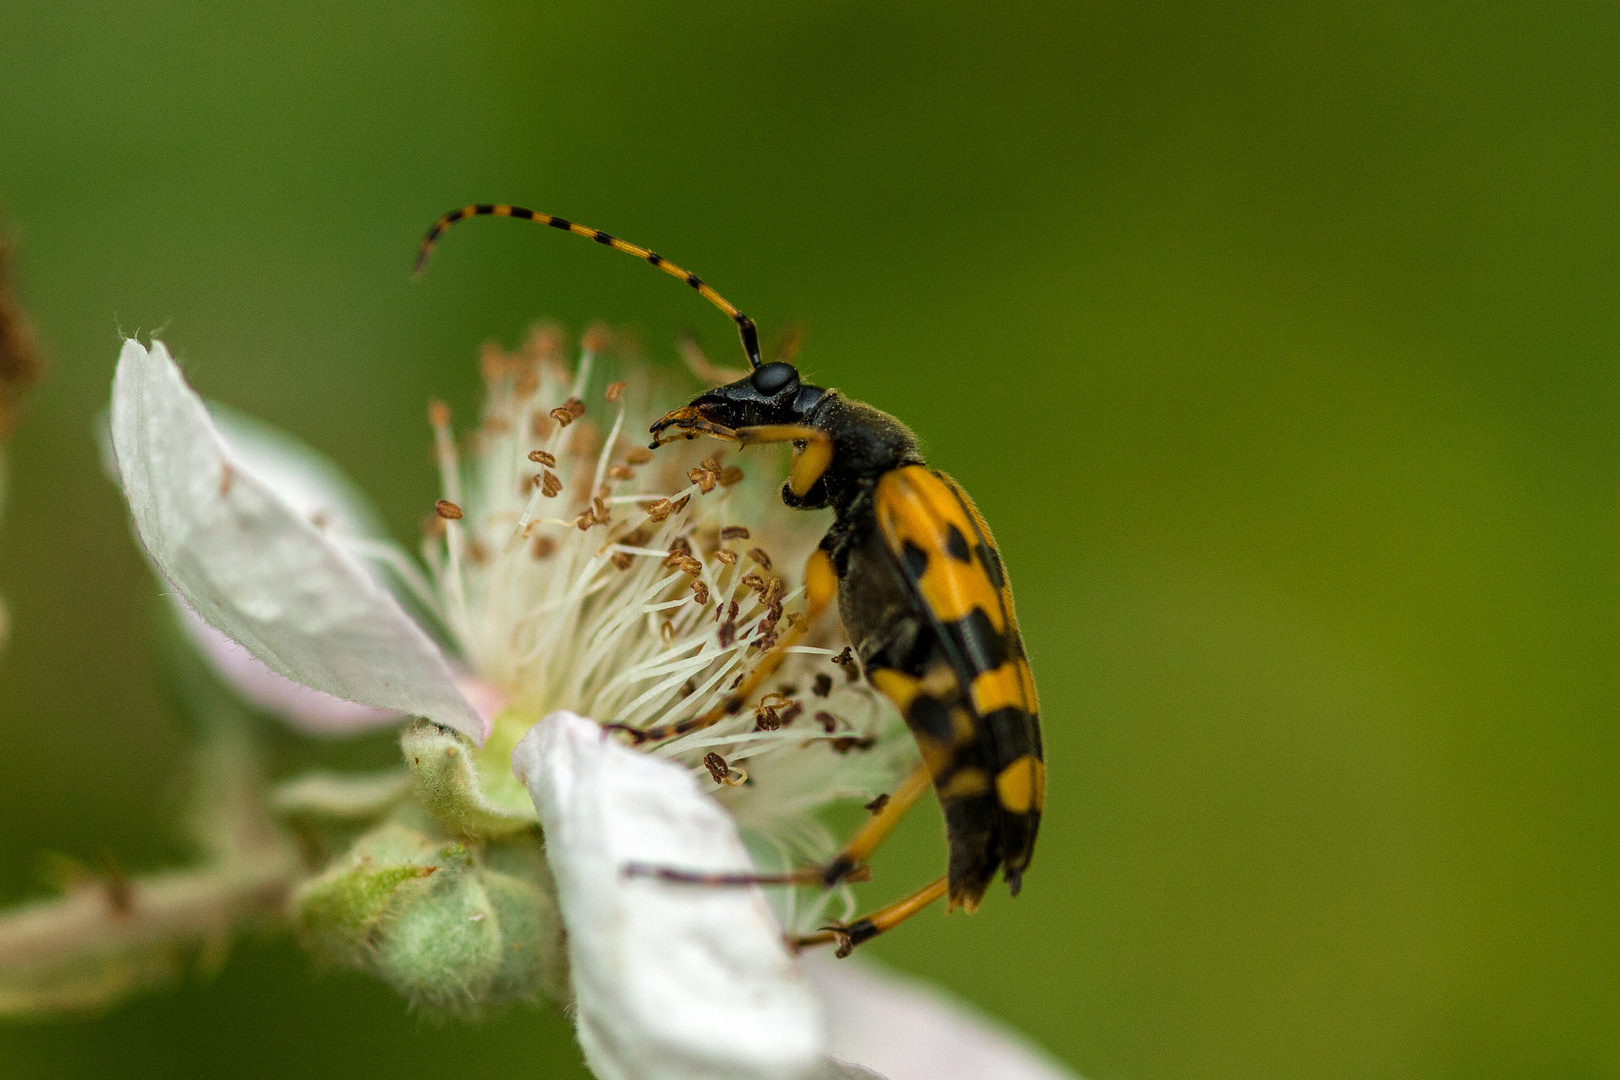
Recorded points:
745,325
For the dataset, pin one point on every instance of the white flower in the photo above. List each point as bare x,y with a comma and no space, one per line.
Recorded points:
570,574
255,569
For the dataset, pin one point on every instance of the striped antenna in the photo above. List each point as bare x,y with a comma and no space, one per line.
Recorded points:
745,325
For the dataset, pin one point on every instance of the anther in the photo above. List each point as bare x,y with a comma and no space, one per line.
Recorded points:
828,722
759,556
638,455
540,457
878,803
562,416
728,634
620,472
845,657
438,414
731,476
775,589
615,391
622,559
448,510
734,532
575,407
793,711
659,509
543,547
703,478
700,593
823,684
550,484
717,767
727,556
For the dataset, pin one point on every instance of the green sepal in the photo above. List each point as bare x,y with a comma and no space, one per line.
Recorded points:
467,799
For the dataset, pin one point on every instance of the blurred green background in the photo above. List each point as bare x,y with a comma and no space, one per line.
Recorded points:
1278,342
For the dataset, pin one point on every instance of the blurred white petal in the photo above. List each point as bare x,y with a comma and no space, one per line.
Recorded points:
253,567
305,479
672,982
909,1030
309,710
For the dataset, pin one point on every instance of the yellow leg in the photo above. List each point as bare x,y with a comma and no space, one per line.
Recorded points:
848,865
866,840
884,918
820,590
810,459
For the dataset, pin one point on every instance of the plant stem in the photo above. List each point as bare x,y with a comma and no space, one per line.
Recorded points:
176,906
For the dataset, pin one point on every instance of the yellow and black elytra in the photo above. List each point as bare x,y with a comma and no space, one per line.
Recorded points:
924,600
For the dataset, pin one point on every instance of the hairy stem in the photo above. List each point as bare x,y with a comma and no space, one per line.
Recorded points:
175,907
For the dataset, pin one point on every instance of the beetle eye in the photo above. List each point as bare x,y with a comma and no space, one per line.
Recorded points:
772,379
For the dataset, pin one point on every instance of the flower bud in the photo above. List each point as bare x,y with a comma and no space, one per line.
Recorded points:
341,911
454,927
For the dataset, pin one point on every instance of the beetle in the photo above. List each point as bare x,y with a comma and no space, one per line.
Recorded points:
924,599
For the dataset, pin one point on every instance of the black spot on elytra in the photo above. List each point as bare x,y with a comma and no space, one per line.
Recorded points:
929,716
984,647
1012,734
956,544
914,559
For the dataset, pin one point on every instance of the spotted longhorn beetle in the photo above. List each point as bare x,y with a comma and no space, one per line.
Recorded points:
924,600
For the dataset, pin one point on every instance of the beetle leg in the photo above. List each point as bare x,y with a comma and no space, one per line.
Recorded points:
849,935
854,854
849,865
809,460
820,589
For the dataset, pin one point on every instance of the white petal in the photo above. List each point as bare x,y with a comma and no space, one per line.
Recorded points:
307,709
908,1030
304,478
253,567
672,982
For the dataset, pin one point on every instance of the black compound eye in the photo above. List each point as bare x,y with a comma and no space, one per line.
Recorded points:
772,379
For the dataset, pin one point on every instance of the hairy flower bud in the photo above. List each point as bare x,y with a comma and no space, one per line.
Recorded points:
454,927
